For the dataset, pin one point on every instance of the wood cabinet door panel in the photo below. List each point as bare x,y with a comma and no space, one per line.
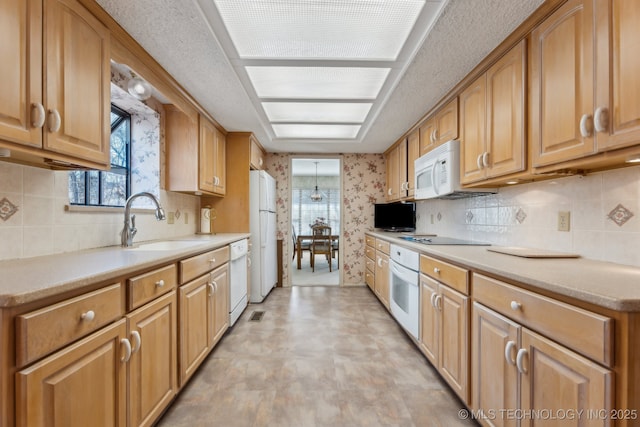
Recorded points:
401,180
382,277
617,85
447,122
427,142
21,70
220,163
392,175
429,318
454,340
495,380
206,156
194,300
472,131
77,82
153,378
413,152
562,85
81,385
557,379
220,317
505,113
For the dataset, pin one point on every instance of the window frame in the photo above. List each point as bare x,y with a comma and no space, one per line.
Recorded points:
124,116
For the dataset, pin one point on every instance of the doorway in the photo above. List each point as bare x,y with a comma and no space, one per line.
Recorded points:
316,198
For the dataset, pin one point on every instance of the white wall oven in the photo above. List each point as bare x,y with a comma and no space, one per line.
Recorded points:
404,283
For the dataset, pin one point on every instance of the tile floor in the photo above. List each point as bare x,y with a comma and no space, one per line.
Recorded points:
320,356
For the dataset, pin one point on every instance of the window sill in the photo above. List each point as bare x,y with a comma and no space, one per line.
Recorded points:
106,209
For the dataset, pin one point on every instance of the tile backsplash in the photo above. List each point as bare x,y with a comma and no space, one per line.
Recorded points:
604,216
39,224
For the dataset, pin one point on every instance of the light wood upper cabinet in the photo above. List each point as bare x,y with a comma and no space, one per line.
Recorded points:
492,131
54,93
392,164
81,385
413,152
257,155
617,114
562,85
196,153
441,127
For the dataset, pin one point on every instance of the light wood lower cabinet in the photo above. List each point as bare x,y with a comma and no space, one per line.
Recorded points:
444,336
381,279
153,378
204,318
82,385
517,369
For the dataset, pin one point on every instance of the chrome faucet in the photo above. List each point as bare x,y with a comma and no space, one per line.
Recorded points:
129,230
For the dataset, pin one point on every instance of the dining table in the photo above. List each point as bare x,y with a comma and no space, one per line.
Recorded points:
303,237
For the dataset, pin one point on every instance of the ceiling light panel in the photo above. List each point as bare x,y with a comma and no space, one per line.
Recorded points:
347,112
317,82
319,29
309,131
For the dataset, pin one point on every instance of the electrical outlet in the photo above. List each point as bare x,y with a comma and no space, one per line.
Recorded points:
564,221
186,217
170,218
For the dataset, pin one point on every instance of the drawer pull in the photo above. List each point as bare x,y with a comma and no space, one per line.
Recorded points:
515,306
436,270
137,341
127,350
520,361
88,316
508,352
160,283
212,260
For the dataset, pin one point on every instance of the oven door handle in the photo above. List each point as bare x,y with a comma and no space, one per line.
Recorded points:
405,274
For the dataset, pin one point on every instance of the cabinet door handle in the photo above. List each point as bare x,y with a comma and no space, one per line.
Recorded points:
435,135
160,283
212,290
522,353
438,301
379,262
586,125
249,261
390,192
433,297
601,119
37,115
261,161
508,352
88,315
137,341
479,161
515,305
127,350
54,121
485,159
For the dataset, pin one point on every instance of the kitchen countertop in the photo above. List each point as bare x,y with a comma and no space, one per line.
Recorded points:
609,285
30,279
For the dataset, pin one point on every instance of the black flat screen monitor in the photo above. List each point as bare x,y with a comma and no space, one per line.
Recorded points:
395,216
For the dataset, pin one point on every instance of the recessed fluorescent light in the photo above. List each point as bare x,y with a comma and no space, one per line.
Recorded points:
317,82
348,112
319,29
308,131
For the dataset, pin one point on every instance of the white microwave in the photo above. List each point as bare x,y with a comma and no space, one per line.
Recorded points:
438,175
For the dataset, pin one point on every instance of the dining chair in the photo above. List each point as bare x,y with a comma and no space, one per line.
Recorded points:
321,244
305,245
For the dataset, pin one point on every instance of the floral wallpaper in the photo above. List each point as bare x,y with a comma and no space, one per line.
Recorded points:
363,185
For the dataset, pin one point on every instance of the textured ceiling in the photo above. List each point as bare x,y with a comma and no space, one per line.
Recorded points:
176,34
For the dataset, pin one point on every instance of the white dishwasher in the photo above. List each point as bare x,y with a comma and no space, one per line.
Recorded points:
237,279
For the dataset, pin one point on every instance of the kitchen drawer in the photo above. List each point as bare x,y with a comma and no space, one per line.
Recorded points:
370,241
370,253
200,264
369,278
583,331
383,246
370,264
40,332
452,276
146,287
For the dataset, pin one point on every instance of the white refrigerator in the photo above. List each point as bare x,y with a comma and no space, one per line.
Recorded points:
262,219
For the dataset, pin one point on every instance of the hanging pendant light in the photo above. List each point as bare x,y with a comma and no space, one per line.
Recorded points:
316,196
